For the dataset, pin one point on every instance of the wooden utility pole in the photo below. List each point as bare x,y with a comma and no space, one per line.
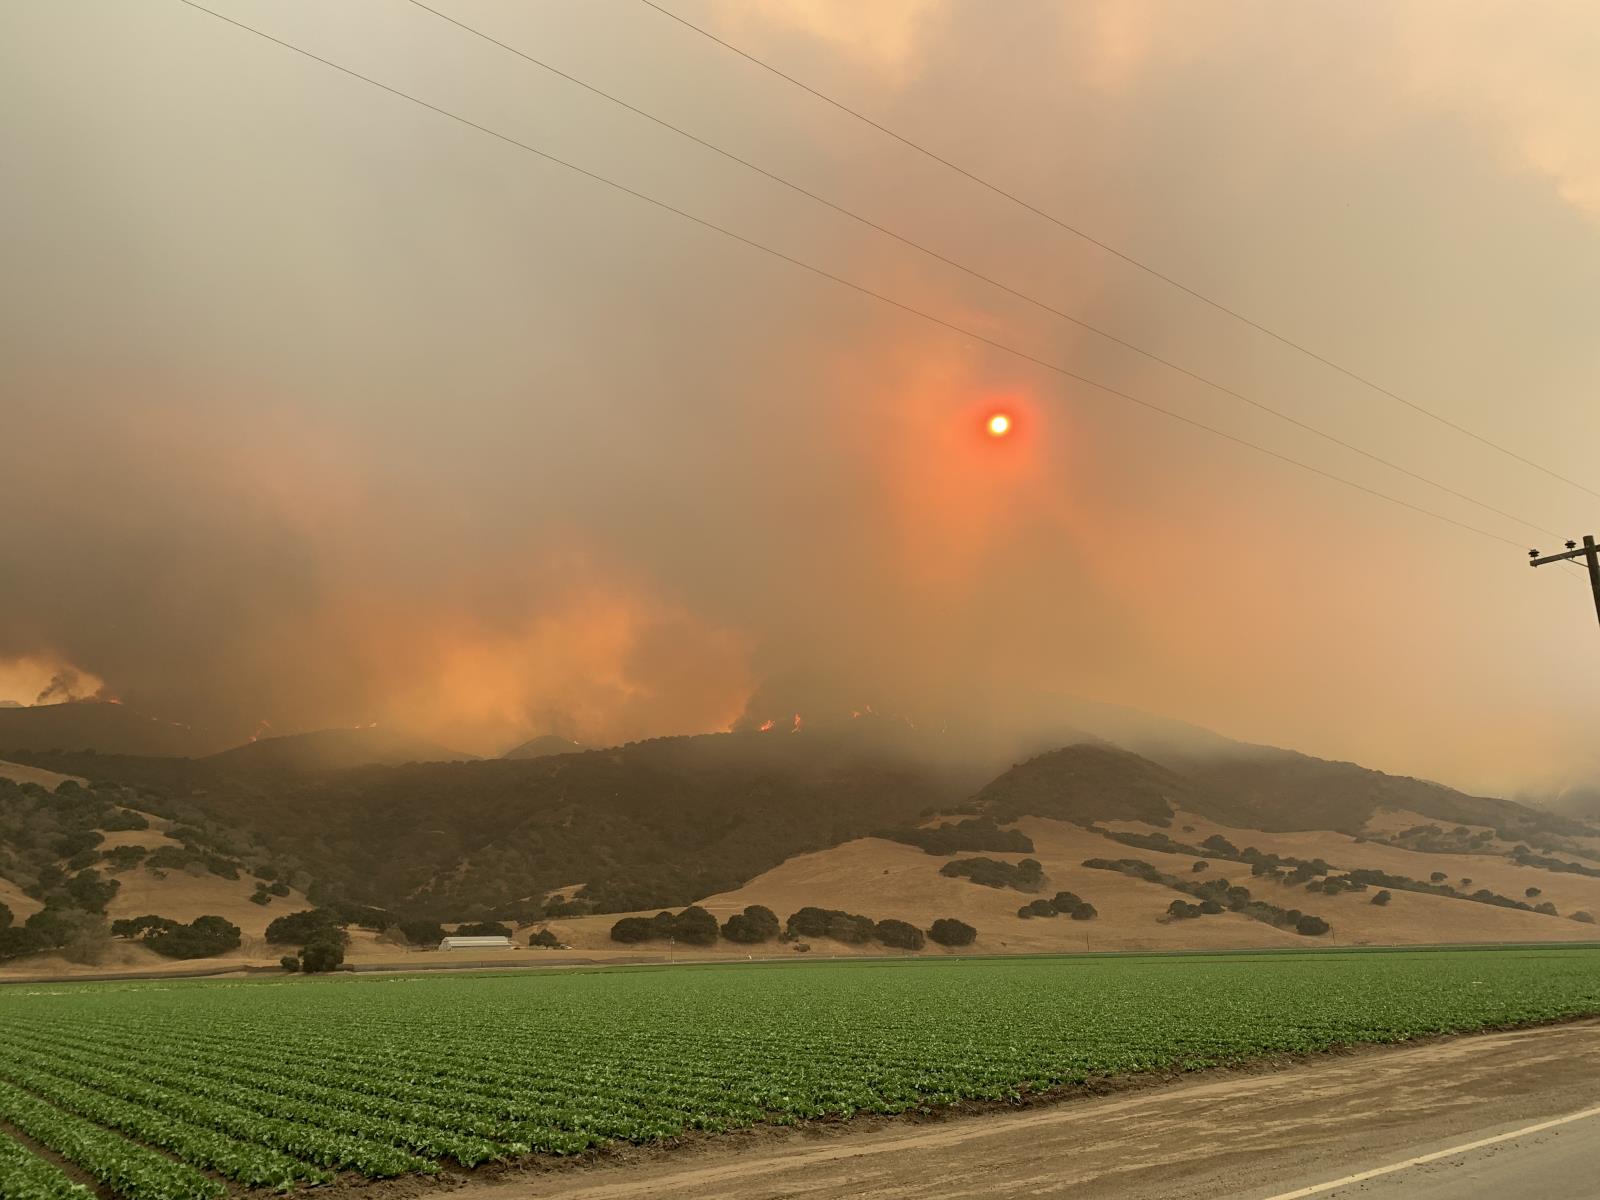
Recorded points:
1589,552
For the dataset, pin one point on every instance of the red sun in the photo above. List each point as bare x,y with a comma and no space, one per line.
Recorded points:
998,425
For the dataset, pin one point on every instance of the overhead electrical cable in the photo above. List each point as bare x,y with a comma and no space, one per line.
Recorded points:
984,278
1015,352
1124,256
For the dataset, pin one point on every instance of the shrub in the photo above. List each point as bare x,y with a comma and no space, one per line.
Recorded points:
1084,912
289,962
1037,908
900,934
543,939
280,888
322,953
1382,898
947,931
1531,893
1311,926
1210,907
1182,910
1465,882
1200,865
1066,901
259,896
1546,908
1583,918
1438,877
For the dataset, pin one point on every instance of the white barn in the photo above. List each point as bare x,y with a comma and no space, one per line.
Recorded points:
475,943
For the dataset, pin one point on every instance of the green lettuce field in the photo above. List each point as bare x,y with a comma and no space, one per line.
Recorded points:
166,1090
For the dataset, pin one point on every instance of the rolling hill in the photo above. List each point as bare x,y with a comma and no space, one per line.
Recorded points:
825,818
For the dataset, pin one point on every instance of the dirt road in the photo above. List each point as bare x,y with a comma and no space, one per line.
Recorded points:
1250,1137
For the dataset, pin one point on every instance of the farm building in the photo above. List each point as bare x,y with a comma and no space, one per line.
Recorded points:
475,943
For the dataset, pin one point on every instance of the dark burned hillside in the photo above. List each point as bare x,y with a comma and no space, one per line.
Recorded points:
1086,783
647,825
1283,791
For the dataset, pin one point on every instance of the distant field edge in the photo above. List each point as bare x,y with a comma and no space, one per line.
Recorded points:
494,967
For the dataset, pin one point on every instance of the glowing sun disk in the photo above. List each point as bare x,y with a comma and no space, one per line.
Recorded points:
998,425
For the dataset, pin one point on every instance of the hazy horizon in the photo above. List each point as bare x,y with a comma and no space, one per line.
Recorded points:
321,409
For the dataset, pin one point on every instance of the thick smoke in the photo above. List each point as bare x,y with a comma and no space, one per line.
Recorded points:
320,410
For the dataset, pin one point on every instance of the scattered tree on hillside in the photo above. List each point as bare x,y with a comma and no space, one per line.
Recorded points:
697,927
948,931
979,833
757,923
1200,865
693,925
1583,918
289,962
902,935
298,928
204,937
1438,877
1531,893
1382,898
422,932
543,939
1037,908
1311,926
1024,876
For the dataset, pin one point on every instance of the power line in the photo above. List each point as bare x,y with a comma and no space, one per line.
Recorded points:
979,275
1123,255
852,285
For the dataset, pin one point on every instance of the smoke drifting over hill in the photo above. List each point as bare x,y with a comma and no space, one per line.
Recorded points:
321,410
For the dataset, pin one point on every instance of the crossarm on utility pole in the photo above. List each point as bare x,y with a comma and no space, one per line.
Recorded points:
1589,552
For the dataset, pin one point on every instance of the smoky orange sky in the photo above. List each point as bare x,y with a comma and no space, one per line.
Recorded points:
321,409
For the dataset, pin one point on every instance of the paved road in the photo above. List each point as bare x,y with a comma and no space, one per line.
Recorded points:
1269,1136
1541,1160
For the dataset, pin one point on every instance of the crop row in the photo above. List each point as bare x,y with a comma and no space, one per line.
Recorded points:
132,1170
26,1176
95,1098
